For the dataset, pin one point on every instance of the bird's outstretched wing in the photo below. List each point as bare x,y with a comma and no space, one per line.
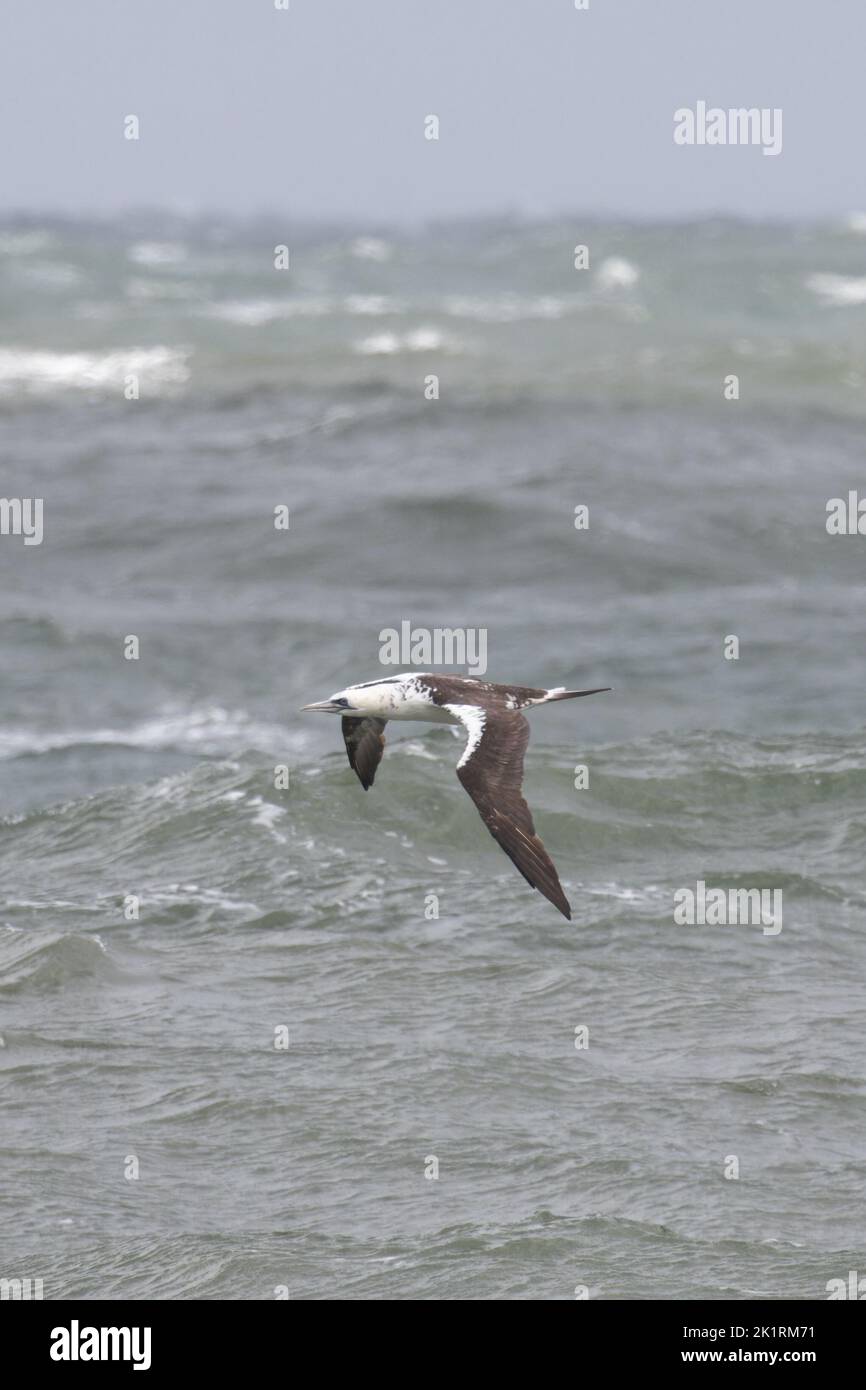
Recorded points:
491,770
365,744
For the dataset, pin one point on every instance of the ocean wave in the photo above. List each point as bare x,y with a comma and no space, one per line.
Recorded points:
43,372
370,248
207,730
372,305
511,307
358,855
254,313
839,290
616,273
523,1259
157,253
50,961
171,895
418,292
424,339
25,243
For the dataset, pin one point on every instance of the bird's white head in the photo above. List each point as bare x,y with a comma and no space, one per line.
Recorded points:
340,703
382,699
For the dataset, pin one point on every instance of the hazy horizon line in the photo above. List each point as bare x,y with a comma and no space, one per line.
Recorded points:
341,222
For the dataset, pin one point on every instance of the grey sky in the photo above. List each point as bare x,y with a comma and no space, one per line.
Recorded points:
319,111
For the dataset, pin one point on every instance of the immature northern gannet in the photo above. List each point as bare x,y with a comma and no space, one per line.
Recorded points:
491,768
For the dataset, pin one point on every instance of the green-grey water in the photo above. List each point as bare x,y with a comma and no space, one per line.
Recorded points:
307,909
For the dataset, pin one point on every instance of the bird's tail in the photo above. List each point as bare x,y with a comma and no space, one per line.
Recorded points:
559,693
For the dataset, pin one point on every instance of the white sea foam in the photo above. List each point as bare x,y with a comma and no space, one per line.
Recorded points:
415,749
422,339
840,290
210,729
371,248
373,304
511,308
43,372
157,253
616,273
252,313
181,894
380,345
267,814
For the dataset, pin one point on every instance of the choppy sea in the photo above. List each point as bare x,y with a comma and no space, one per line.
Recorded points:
243,1088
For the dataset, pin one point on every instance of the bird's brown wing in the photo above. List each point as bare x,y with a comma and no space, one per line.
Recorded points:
491,770
365,744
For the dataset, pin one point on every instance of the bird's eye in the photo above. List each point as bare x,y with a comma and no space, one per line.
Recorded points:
343,703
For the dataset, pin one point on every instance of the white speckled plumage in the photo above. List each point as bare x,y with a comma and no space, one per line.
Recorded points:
491,765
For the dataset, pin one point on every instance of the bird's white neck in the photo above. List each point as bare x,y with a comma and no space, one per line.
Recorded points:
398,697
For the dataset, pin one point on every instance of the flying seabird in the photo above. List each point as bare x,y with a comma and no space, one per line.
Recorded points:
491,767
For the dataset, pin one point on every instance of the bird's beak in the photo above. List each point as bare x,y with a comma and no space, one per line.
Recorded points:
323,706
